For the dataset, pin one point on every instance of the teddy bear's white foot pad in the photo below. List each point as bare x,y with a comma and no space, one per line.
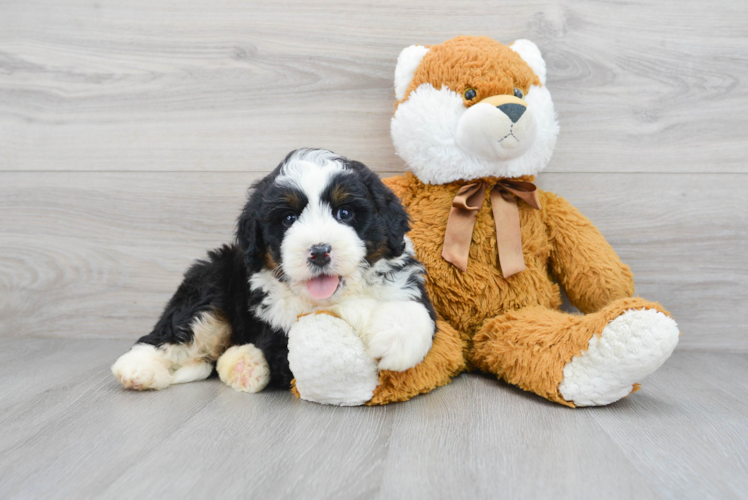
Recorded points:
143,368
631,346
244,368
330,363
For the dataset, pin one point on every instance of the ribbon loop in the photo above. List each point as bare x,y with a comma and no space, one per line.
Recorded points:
462,215
464,212
527,191
470,197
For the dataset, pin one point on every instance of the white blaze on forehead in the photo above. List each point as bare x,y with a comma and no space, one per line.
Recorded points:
310,171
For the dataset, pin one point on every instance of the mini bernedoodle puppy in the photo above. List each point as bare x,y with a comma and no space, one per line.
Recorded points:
321,232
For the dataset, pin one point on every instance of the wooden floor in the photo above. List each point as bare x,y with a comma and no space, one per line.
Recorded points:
130,131
70,431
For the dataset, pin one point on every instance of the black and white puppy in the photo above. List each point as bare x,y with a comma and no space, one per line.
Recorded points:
320,232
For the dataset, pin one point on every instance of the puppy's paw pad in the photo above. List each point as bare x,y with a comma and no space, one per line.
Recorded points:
244,368
135,379
142,369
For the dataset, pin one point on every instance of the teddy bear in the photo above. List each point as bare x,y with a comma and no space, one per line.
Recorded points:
474,122
332,365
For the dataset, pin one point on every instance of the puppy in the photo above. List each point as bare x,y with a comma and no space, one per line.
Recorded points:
320,232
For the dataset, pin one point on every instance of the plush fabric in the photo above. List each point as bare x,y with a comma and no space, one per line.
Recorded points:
512,327
446,359
476,62
531,346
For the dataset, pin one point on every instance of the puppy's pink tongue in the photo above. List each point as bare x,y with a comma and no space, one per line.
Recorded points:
322,287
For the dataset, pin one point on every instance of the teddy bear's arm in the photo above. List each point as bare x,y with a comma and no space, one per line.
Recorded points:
582,260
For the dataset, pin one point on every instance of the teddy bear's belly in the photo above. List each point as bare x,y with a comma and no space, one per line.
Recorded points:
467,299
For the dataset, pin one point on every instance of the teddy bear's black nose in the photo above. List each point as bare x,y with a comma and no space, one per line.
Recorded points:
513,111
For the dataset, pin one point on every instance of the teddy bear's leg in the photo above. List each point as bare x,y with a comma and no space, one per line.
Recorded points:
445,360
577,360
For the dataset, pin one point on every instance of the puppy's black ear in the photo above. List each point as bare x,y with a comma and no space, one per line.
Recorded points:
249,231
391,212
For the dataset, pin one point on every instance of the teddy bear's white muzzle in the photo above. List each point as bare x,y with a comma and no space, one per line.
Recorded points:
493,132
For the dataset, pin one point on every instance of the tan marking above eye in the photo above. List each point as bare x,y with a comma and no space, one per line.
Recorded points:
339,196
292,198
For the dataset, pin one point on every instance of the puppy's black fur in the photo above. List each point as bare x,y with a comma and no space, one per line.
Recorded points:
220,284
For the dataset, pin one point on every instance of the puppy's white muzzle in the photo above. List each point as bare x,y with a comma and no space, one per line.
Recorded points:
317,227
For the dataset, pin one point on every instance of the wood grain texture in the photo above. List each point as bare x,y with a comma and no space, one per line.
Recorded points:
97,255
130,131
48,379
65,358
487,443
224,85
77,434
683,398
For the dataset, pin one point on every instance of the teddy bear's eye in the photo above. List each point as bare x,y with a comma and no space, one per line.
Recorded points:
519,94
469,94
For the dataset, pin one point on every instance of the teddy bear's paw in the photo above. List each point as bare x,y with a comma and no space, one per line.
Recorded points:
399,335
329,362
631,347
244,368
142,368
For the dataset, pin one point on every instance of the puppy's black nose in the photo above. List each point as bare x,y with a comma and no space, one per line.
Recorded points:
513,111
319,255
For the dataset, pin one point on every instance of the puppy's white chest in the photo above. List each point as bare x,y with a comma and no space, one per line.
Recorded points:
329,362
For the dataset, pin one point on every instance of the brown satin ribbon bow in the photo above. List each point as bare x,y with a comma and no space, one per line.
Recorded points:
464,212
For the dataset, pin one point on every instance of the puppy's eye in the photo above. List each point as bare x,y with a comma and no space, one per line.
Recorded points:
519,94
289,219
344,214
469,94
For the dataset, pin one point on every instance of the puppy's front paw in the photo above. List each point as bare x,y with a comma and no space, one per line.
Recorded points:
142,368
399,335
244,368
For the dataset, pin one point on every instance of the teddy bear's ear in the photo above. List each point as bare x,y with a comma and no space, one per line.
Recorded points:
407,64
531,55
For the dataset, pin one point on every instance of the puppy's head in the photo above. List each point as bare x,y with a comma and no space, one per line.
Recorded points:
318,221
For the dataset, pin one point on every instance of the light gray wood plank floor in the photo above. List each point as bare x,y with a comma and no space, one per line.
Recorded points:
129,132
70,431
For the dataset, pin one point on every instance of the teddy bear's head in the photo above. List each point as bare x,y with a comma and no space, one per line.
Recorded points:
472,107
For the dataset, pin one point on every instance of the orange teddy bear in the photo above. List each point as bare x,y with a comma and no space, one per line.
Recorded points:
474,122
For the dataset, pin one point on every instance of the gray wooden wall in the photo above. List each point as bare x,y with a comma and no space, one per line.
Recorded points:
130,130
